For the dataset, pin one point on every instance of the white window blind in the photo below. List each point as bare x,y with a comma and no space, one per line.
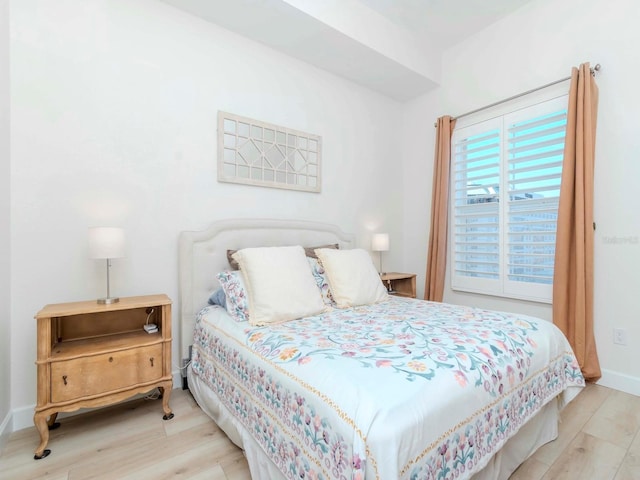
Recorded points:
505,189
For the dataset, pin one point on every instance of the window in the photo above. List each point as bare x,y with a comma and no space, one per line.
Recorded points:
505,190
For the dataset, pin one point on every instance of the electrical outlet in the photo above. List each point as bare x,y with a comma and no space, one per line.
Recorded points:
619,336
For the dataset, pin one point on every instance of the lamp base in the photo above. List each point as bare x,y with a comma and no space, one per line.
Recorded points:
108,300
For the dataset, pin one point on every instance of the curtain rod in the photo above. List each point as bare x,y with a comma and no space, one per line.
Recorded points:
594,69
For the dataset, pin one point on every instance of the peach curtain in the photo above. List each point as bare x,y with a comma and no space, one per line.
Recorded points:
437,250
573,270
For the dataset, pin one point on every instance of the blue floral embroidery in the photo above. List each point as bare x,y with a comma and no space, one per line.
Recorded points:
492,350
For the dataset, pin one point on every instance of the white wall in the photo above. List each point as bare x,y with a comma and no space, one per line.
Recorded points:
536,45
5,250
113,116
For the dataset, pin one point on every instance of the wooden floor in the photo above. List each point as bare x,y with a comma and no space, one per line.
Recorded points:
598,440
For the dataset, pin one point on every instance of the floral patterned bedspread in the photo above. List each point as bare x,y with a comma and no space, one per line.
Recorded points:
403,389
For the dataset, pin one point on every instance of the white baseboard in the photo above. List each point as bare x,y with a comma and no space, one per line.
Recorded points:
620,381
6,427
23,417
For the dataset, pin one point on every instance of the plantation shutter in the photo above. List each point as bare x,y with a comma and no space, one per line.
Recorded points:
476,205
535,147
505,190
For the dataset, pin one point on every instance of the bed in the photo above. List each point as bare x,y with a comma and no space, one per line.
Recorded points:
396,388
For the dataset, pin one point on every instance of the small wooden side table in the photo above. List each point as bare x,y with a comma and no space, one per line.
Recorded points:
92,355
401,284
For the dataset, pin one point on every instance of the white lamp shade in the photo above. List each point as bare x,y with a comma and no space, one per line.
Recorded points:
106,242
380,242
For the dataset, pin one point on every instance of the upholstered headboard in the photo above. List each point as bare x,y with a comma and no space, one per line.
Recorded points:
203,254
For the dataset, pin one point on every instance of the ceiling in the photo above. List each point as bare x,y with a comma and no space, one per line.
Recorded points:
445,22
393,47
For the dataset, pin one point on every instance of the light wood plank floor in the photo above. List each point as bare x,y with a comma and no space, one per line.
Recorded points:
598,440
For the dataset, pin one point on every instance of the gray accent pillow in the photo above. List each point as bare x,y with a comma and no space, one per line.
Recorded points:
308,251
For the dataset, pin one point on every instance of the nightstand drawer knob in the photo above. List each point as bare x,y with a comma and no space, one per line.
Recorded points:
151,360
64,379
110,359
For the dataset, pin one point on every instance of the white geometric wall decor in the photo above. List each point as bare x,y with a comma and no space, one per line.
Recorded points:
259,153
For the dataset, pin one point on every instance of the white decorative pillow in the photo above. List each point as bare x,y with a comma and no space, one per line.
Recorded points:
279,283
352,277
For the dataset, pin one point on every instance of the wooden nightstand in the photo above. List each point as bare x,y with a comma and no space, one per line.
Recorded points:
91,355
401,284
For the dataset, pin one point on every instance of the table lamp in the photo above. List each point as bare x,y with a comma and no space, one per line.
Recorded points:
106,243
380,243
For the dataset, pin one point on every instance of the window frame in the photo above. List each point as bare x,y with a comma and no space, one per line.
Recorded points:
527,107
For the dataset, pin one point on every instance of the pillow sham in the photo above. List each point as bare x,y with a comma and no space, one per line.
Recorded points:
279,284
235,294
320,276
309,252
353,278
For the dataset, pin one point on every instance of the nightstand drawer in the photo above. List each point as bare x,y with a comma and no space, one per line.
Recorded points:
81,377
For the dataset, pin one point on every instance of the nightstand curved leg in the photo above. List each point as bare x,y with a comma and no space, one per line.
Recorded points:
40,422
166,393
51,423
